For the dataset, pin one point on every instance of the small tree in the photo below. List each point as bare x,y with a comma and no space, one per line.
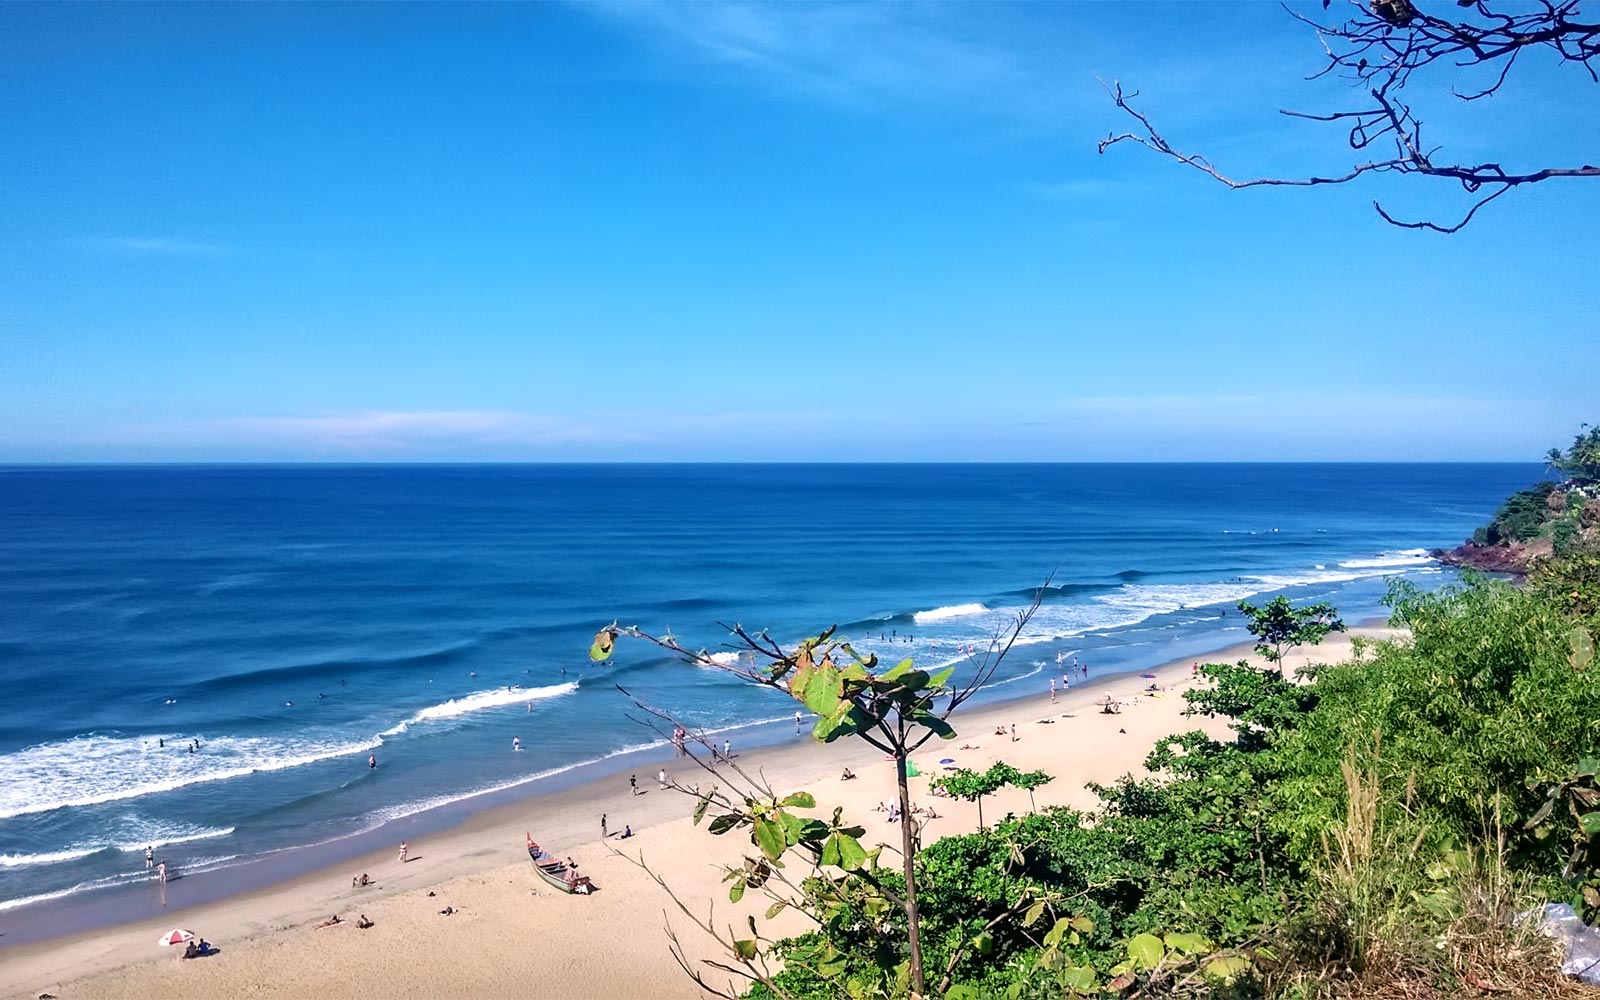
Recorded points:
1280,627
896,711
1031,780
971,786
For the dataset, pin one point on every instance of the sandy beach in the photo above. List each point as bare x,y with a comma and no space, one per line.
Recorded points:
511,935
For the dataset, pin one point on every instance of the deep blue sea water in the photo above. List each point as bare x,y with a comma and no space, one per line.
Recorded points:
294,620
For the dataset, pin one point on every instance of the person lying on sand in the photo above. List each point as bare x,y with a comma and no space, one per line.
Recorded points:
969,746
447,911
329,922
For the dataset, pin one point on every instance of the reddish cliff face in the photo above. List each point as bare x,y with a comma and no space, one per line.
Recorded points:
1515,558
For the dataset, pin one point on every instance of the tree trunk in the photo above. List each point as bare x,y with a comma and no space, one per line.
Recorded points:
908,863
980,814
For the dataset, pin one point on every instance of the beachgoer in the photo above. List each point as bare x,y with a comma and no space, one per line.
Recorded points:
372,760
1052,690
603,826
1194,670
661,778
627,831
365,879
149,857
191,950
633,784
161,871
727,750
847,775
328,922
797,723
405,851
363,923
160,742
516,743
355,881
1013,732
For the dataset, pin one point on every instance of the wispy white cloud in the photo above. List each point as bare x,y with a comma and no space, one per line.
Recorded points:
152,245
860,53
376,432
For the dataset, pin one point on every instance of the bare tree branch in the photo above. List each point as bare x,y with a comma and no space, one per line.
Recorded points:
1378,49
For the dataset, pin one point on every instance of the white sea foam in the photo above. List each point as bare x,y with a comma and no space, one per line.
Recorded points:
11,904
46,858
953,611
87,770
480,700
727,659
152,836
1403,557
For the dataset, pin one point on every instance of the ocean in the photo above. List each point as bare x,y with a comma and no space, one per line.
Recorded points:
202,658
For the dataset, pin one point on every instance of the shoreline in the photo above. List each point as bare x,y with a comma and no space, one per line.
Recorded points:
485,841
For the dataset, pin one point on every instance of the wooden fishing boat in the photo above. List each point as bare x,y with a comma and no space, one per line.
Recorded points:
556,872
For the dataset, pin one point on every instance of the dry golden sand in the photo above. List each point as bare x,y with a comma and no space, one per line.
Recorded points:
513,936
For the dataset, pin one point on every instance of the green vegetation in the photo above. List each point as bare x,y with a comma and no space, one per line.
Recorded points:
1372,829
1280,627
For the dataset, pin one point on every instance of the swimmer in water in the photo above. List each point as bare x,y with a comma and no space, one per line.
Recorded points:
516,743
372,761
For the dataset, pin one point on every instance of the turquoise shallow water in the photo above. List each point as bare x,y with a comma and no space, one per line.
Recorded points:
292,621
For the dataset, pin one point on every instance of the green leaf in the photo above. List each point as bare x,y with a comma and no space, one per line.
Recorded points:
896,671
769,837
1078,977
941,678
1589,823
1082,925
983,943
700,809
722,824
1145,951
736,891
776,908
745,949
830,851
1225,966
822,691
1187,944
800,800
1034,913
930,721
851,854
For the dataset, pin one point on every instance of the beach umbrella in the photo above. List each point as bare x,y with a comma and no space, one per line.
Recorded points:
1147,675
176,936
948,760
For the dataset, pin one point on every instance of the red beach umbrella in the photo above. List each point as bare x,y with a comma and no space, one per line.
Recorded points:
176,936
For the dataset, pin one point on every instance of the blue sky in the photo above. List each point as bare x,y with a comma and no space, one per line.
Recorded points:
715,232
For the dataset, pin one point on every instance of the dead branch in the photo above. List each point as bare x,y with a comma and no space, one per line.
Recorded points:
1378,49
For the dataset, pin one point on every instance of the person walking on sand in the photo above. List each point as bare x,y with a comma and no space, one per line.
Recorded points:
149,857
405,852
161,872
797,723
603,833
1052,690
1013,732
633,784
661,778
727,750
